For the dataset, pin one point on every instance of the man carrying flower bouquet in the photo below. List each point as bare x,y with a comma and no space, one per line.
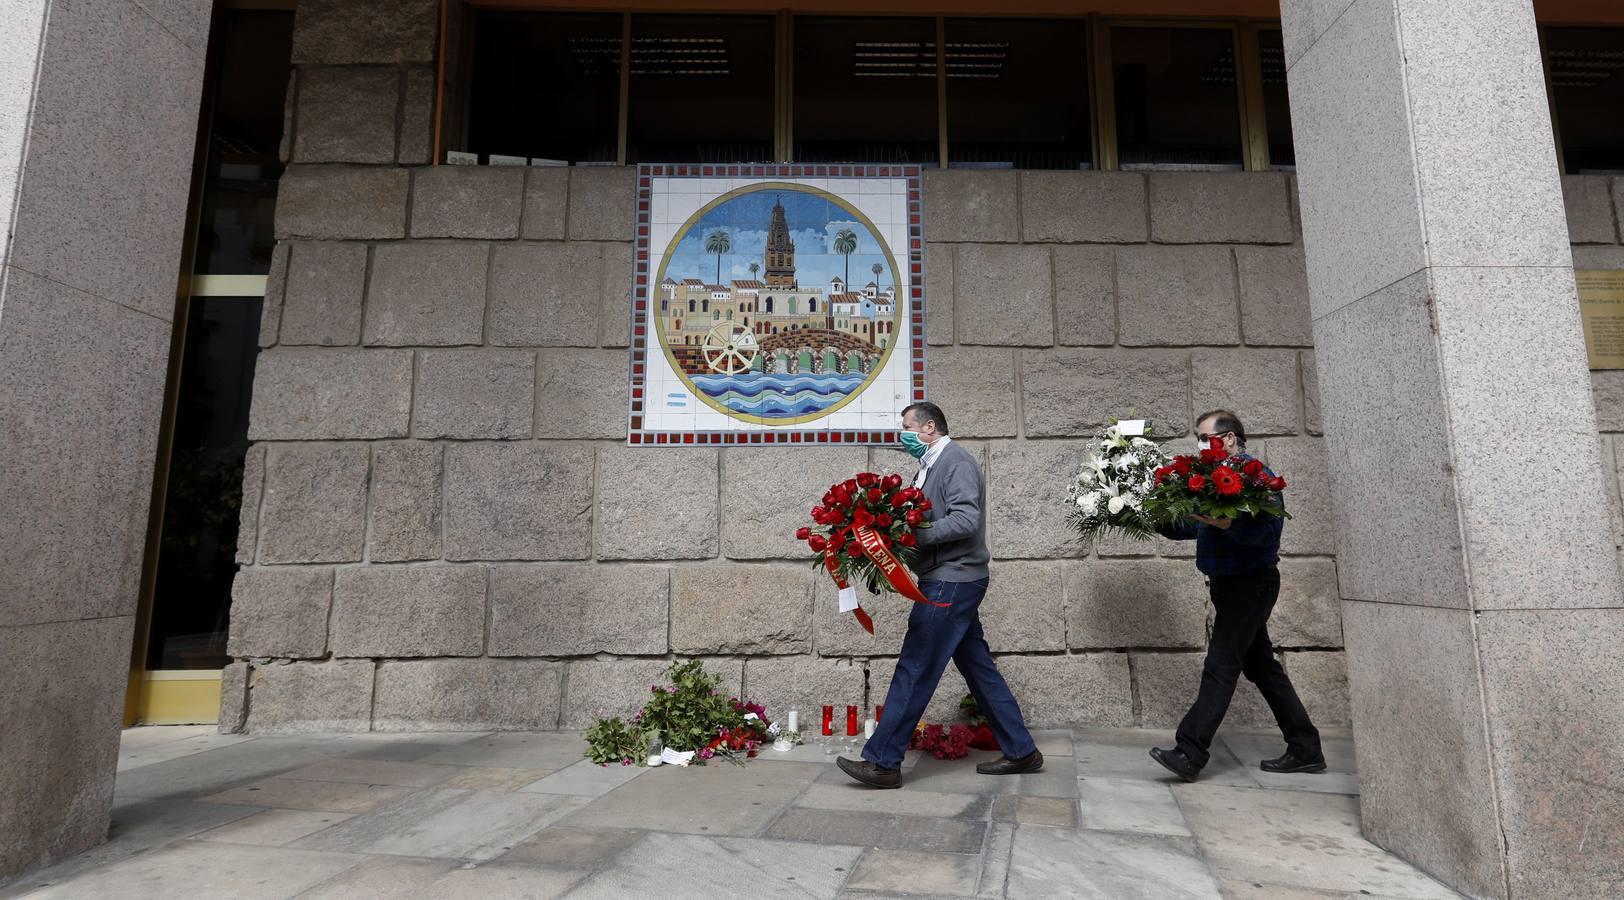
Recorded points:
953,576
1239,557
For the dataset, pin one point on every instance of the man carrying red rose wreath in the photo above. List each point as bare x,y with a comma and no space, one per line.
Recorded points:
952,570
1239,558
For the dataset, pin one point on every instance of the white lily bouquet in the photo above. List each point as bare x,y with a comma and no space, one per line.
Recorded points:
1107,496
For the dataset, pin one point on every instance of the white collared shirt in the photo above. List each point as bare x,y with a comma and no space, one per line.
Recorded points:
926,461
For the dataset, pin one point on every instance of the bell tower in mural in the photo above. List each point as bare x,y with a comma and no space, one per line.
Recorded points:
780,250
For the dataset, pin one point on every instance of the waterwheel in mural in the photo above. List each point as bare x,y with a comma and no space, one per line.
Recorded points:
730,349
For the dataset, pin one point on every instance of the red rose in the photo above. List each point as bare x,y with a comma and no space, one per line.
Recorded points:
861,518
849,485
829,498
883,520
803,533
912,493
875,495
867,479
899,500
1277,484
924,505
891,482
837,543
907,539
885,540
817,543
1197,482
1181,464
1252,467
1211,455
915,517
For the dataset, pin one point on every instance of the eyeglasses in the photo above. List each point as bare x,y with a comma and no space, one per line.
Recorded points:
1203,438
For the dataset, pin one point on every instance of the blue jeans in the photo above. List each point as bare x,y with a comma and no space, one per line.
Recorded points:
937,634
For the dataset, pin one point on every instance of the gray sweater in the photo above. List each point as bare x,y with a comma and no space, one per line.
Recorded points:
954,547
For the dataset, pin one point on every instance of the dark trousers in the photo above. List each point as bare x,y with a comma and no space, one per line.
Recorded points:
937,634
1240,646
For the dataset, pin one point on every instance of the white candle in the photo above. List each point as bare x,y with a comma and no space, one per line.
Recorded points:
868,728
794,720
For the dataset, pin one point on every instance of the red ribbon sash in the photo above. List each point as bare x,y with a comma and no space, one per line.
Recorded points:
868,542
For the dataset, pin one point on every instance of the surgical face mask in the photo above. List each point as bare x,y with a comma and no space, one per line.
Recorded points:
913,443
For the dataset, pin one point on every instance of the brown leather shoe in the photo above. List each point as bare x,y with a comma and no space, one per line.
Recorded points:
1031,762
870,774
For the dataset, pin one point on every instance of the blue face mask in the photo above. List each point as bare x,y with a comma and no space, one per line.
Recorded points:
913,443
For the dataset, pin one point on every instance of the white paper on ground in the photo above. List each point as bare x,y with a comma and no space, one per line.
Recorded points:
673,758
1131,427
848,599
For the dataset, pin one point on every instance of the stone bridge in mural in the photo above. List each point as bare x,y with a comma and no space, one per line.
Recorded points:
817,351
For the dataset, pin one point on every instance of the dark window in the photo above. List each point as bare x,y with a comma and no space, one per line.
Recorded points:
1176,101
1587,94
701,89
865,90
1017,94
235,230
546,85
198,554
1276,104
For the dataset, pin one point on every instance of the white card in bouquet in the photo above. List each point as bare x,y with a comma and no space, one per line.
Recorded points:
848,599
1131,427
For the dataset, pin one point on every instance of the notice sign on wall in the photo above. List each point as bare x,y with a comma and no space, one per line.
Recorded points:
1601,307
776,304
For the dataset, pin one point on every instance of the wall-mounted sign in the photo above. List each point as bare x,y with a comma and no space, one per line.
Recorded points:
1601,307
776,304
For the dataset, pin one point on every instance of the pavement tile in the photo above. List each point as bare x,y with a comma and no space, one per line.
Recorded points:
861,798
888,832
818,869
204,869
168,747
1246,890
580,848
1121,804
447,824
681,866
491,778
1026,810
719,798
995,860
585,779
430,879
274,827
515,749
1295,838
1101,865
921,874
374,771
321,796
1053,743
1125,753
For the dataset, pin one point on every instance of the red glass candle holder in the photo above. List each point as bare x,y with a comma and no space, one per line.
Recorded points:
828,720
851,721
879,712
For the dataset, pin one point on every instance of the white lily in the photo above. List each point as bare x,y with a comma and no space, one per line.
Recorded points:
1115,504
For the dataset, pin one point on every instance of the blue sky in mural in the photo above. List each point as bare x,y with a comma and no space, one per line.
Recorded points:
813,223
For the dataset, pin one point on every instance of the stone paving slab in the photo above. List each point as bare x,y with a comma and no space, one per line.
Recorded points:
676,865
202,869
1247,890
515,749
1303,839
1057,811
1122,804
716,799
447,824
917,874
221,768
318,796
491,778
155,750
1053,743
1125,753
886,832
274,827
416,879
586,779
862,798
374,771
1059,862
588,848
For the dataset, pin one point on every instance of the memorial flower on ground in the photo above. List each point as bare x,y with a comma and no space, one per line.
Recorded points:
691,714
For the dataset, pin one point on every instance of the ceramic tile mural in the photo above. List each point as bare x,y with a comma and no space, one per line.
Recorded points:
776,304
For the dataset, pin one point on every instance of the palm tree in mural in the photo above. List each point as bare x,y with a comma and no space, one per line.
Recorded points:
846,245
877,269
754,268
718,242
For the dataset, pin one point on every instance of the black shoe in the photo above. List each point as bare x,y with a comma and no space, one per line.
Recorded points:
1292,762
1176,762
1031,762
870,774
